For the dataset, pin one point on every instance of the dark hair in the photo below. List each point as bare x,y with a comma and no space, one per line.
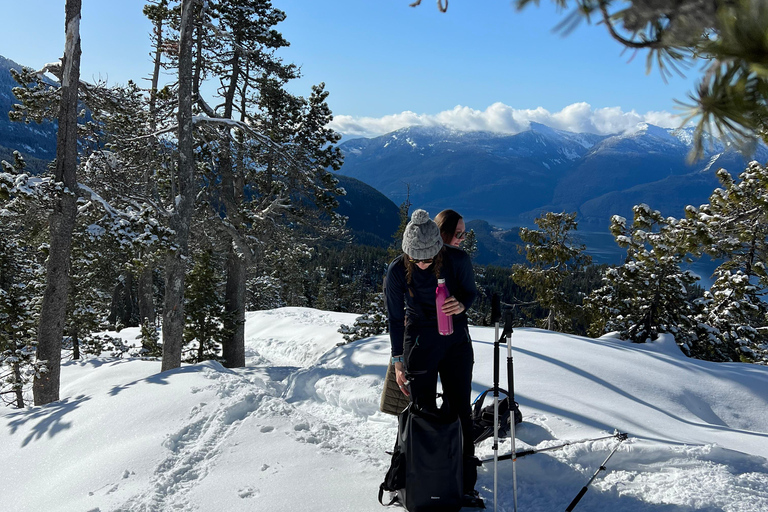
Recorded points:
447,220
437,266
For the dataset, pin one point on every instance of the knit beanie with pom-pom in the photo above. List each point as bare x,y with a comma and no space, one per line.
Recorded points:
421,239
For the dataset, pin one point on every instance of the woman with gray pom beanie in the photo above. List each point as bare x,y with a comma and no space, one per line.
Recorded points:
419,352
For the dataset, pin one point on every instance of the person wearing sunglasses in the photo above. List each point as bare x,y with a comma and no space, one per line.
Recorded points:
419,352
452,227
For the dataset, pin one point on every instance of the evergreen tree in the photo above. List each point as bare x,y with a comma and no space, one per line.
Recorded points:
89,301
396,249
18,321
21,282
469,244
258,179
553,256
733,228
53,311
149,340
648,294
203,331
371,323
184,194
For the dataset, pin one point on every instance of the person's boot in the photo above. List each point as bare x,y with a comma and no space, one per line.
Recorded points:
472,499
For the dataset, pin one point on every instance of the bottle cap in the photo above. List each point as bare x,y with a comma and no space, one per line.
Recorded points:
440,281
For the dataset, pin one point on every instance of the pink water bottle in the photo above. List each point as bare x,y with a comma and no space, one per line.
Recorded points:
444,322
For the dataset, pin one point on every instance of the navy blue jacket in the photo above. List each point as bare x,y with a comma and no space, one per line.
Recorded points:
420,308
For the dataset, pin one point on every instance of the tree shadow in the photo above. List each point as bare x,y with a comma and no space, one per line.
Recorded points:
97,362
621,392
50,418
545,483
162,378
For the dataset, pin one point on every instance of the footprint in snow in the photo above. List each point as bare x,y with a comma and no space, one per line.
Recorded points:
266,429
301,426
248,492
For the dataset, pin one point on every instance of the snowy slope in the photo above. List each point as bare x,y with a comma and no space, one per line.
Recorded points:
299,429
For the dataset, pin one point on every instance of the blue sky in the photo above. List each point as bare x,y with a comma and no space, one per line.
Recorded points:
481,65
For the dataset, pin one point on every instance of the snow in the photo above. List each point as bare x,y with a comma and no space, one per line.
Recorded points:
299,427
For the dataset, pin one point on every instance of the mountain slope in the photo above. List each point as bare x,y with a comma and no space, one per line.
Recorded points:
510,179
37,142
464,171
298,429
372,217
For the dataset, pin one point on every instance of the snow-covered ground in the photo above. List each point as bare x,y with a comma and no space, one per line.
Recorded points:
299,428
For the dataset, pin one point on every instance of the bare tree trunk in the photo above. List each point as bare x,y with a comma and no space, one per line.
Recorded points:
75,345
233,349
17,391
176,261
146,286
146,295
62,220
234,306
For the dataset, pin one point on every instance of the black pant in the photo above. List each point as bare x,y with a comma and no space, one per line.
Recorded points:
428,354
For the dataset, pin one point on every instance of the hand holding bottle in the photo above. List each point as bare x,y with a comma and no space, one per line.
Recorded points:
452,306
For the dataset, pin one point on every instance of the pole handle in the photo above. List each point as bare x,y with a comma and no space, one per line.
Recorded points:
495,308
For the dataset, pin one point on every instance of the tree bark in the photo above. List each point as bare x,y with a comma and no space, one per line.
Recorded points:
17,391
176,260
62,220
75,345
146,296
146,286
233,348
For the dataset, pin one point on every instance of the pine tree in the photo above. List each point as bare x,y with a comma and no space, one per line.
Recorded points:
22,280
204,308
182,208
258,179
733,228
395,249
18,322
371,323
553,256
149,340
53,312
469,244
648,294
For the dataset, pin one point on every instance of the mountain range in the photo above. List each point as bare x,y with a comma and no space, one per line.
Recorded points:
491,179
509,180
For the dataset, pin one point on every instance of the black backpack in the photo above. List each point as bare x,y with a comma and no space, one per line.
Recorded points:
482,417
426,471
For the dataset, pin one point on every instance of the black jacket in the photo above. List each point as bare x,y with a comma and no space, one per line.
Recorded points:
420,307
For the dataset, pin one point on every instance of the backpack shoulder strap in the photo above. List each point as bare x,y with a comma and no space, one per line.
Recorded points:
381,496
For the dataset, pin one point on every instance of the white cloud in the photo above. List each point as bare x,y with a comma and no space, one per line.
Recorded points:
501,118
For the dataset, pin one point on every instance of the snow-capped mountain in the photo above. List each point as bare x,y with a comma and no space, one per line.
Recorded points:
510,179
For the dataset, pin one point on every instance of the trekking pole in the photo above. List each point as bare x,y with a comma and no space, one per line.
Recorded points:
511,397
495,317
533,451
583,491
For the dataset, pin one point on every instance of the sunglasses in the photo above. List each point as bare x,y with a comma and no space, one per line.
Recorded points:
461,235
428,262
